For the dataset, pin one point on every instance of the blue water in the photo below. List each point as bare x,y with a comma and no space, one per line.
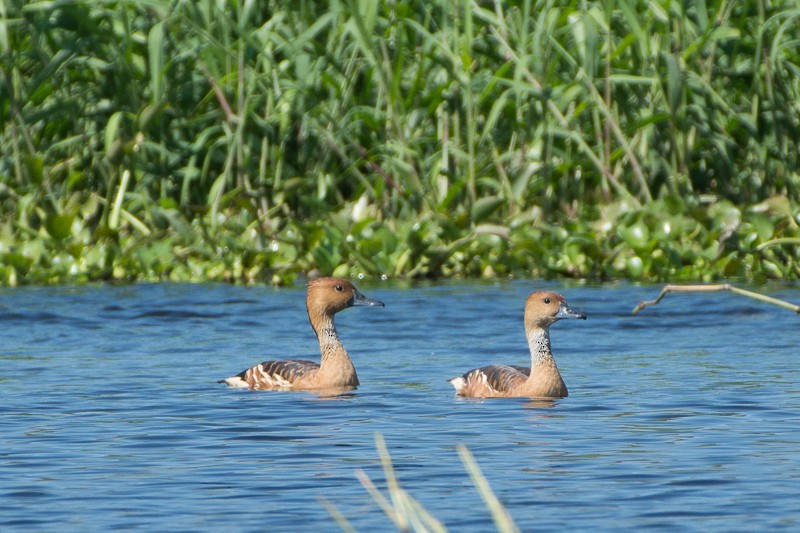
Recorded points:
686,416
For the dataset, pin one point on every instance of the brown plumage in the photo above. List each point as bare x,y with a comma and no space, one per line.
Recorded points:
325,298
542,379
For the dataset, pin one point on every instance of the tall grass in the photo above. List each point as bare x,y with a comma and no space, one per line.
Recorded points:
408,514
255,140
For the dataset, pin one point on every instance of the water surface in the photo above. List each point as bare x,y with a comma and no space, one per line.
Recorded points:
686,416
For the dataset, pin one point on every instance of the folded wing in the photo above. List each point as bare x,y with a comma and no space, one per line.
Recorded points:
274,375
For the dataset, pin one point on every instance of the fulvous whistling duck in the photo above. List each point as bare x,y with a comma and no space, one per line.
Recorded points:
542,379
325,298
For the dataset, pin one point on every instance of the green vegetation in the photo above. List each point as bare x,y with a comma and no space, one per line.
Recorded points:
252,141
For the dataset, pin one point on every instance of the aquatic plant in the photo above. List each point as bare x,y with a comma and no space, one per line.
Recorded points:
253,141
406,513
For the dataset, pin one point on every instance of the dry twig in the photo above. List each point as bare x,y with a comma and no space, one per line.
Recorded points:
717,288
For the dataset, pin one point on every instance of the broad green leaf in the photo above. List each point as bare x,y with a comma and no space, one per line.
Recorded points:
485,207
59,226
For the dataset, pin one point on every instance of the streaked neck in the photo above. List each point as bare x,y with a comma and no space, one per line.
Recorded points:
539,345
330,346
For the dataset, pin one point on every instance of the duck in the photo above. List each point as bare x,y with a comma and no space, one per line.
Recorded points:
325,297
542,379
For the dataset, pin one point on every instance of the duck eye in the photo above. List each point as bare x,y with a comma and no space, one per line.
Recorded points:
339,288
547,300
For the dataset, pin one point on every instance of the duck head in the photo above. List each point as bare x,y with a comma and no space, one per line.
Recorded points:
331,295
544,308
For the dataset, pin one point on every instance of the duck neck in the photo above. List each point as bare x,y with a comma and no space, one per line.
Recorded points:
333,353
539,344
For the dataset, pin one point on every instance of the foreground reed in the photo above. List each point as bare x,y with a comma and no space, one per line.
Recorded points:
406,513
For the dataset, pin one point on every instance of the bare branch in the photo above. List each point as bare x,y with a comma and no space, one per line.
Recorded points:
717,288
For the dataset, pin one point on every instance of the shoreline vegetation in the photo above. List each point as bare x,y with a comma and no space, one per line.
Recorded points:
255,141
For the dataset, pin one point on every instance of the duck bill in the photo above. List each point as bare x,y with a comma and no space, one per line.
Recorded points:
565,312
360,299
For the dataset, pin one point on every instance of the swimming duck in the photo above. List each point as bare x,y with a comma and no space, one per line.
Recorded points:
325,298
542,379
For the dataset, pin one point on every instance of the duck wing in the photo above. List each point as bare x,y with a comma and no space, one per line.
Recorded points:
522,369
273,375
492,380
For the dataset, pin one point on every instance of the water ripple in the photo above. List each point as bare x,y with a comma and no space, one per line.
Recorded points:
112,418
